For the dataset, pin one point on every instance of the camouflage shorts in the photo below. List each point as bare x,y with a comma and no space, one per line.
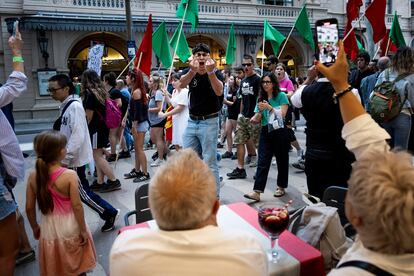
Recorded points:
245,131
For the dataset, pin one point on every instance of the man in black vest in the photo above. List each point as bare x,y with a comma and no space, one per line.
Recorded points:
327,160
206,98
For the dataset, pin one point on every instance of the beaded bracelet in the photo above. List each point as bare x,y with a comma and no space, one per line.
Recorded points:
336,96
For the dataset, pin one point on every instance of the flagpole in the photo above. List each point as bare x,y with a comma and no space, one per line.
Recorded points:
129,63
175,51
388,46
263,52
376,52
286,41
353,26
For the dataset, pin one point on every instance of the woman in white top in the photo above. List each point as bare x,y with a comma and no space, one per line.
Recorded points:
179,100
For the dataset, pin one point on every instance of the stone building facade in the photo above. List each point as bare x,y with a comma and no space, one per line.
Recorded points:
70,27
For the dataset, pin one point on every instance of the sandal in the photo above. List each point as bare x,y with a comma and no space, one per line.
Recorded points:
279,192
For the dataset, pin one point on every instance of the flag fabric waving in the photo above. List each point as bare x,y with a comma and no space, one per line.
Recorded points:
375,13
145,49
350,44
387,41
183,52
161,46
274,36
191,15
231,46
396,33
302,25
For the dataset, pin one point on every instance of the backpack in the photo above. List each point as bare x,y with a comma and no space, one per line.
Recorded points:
385,102
320,226
113,115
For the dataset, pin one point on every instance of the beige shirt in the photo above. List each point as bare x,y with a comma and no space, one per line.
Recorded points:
205,251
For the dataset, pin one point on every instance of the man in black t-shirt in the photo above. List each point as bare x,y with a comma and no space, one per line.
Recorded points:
246,133
122,102
206,98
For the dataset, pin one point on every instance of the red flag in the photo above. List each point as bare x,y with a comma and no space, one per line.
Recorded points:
375,13
392,48
352,9
350,43
145,49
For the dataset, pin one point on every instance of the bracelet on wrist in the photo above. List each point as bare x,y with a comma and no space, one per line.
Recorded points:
18,59
212,72
336,96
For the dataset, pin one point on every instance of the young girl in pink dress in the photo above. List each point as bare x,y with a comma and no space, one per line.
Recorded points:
65,243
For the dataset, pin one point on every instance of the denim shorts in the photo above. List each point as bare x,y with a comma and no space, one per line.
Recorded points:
7,204
143,126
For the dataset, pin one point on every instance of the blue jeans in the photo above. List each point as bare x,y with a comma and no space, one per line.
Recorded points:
7,203
399,130
201,136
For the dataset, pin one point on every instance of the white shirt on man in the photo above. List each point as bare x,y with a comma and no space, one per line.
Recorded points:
205,251
75,128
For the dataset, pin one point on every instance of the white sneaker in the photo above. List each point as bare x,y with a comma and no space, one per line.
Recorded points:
274,162
157,163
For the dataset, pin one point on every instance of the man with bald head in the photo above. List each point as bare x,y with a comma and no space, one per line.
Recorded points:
368,83
182,197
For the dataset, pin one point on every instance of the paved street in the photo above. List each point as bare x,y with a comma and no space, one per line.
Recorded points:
231,192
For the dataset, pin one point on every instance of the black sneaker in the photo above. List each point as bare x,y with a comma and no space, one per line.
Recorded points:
220,145
124,154
111,158
143,177
96,186
132,174
227,154
110,223
237,174
24,258
154,156
111,186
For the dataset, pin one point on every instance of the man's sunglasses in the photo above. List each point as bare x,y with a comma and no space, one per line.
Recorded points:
246,64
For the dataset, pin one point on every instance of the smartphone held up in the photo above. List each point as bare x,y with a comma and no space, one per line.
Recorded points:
327,40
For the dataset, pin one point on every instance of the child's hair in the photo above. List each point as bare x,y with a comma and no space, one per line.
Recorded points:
48,146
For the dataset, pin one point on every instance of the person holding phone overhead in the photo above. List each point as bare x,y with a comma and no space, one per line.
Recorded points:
206,97
11,160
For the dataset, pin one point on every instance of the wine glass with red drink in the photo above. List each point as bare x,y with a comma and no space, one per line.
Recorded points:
274,219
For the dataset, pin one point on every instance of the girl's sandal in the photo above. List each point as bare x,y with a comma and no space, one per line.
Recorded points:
279,192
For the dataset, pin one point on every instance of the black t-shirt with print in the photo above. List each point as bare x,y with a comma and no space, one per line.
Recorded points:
249,91
116,94
203,100
91,102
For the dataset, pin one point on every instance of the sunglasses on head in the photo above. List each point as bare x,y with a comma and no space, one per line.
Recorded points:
246,64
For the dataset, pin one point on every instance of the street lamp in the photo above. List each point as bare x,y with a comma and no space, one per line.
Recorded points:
43,43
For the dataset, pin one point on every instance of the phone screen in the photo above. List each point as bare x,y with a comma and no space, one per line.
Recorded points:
15,25
327,37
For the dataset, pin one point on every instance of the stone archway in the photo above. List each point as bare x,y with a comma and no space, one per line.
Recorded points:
115,53
217,48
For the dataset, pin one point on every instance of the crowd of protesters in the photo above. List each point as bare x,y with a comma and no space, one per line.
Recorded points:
204,108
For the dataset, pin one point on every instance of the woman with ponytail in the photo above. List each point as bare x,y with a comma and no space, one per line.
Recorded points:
65,243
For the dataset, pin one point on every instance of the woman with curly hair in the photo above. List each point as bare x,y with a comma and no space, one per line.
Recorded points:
94,100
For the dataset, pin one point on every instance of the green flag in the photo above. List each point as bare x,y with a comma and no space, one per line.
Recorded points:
231,46
360,47
396,33
183,52
160,45
274,36
191,15
302,25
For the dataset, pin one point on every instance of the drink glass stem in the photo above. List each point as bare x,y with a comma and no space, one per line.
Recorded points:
274,245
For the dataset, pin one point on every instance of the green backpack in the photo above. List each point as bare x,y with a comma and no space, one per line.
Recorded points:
385,102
